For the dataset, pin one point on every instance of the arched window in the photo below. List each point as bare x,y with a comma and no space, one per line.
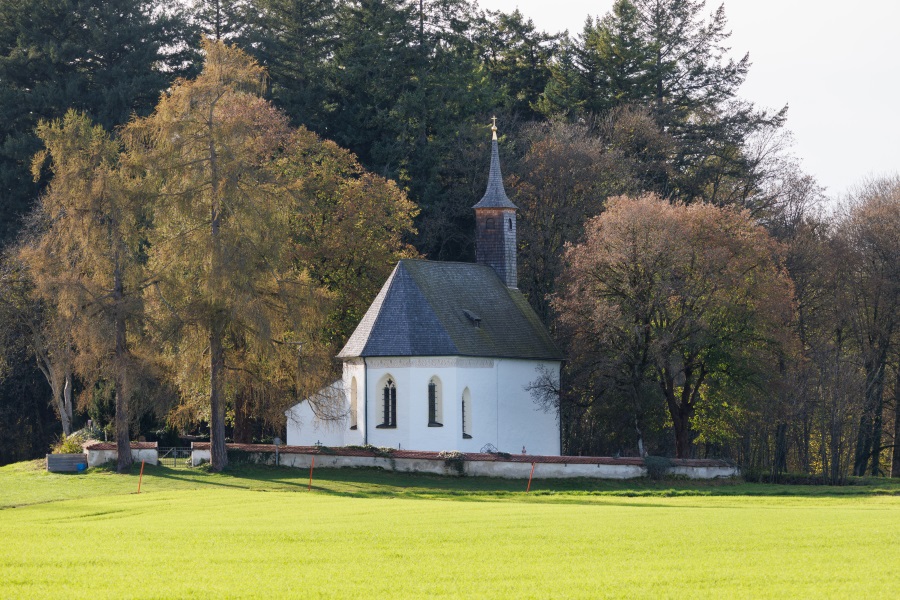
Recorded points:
466,415
389,405
353,404
435,410
489,224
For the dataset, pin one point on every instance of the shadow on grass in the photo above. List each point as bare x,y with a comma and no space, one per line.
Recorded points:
378,483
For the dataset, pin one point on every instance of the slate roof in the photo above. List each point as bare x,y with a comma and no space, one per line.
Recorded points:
422,311
495,196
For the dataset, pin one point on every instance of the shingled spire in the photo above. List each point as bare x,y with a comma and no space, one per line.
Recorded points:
495,224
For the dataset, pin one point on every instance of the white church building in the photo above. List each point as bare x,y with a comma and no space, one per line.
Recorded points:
443,358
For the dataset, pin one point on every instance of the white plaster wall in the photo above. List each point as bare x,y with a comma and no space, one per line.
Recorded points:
476,468
99,457
198,457
412,376
522,422
304,429
503,411
704,472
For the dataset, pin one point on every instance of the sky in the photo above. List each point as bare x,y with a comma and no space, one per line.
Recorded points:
835,64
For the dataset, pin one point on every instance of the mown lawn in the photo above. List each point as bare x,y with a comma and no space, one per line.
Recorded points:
257,532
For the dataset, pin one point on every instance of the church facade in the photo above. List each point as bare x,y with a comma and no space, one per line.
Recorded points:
444,357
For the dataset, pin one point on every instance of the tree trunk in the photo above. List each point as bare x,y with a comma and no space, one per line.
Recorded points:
864,441
123,443
48,369
243,425
895,463
218,453
878,426
779,466
67,402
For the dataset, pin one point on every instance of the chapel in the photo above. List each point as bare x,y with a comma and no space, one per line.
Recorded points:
443,358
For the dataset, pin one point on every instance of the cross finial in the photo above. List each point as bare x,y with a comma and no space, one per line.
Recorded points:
494,128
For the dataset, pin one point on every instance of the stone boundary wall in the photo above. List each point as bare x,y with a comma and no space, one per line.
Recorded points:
514,466
99,453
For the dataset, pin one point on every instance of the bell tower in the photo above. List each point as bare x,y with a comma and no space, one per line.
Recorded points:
495,223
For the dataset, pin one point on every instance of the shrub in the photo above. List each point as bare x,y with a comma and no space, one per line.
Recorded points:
657,466
67,445
454,460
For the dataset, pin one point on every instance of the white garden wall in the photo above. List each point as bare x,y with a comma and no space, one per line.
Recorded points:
516,467
99,453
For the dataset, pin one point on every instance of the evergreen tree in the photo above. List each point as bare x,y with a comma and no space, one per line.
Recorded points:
517,58
107,58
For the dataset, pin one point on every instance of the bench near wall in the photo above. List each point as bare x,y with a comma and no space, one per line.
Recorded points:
515,466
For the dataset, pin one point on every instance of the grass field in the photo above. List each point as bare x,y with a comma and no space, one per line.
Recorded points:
257,532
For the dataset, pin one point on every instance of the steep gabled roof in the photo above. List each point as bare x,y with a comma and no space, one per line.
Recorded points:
430,308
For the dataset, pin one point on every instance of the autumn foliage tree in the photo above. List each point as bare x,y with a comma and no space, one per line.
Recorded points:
259,234
86,260
681,297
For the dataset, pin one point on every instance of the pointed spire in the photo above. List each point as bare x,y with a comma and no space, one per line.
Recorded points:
495,195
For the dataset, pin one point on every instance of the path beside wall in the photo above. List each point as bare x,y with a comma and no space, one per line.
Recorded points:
513,466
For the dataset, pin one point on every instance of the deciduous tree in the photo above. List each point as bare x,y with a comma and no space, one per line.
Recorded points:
677,295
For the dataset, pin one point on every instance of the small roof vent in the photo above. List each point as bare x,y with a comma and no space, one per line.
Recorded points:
475,319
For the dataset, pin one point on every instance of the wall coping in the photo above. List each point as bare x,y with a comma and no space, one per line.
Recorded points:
469,456
98,445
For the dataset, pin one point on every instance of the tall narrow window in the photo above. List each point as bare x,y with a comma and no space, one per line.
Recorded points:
353,404
435,417
390,405
466,415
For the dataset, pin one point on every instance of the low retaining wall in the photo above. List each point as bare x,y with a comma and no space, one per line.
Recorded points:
512,466
66,463
99,453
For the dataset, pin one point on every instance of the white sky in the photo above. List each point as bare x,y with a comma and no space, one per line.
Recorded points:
836,64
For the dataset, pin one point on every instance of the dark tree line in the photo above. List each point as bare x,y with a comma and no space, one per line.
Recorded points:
642,101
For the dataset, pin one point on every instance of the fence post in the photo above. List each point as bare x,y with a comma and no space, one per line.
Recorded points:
141,477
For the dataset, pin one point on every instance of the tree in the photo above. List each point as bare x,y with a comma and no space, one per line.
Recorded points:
108,59
561,180
348,228
32,324
616,60
87,260
686,297
214,157
867,236
517,59
296,41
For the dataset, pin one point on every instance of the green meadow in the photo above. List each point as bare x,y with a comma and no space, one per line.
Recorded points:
256,532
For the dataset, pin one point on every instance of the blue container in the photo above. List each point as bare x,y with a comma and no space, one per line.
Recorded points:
82,468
